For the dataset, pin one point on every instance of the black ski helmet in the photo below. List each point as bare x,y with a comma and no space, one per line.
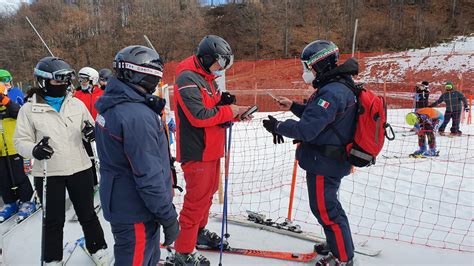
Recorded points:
213,48
53,68
105,74
139,65
320,55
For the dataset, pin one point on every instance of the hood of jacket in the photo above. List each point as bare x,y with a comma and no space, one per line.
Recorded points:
117,92
349,68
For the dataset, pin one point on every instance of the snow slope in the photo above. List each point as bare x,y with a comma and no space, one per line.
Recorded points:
446,61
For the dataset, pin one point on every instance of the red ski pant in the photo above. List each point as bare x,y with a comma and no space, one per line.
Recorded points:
202,181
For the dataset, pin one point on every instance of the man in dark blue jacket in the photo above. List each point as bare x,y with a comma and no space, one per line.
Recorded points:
326,125
454,100
135,185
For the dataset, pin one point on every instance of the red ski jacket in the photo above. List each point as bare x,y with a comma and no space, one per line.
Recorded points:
89,98
199,136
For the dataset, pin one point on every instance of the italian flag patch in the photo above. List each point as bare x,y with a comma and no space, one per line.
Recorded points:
324,104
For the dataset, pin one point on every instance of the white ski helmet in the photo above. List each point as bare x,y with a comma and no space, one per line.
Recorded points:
89,73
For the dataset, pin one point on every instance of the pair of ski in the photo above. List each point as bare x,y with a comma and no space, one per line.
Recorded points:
70,247
259,221
421,156
279,255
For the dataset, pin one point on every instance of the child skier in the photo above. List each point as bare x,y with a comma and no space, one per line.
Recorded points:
454,100
15,187
426,121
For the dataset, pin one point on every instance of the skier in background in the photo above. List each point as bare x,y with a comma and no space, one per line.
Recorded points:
422,95
52,111
17,196
454,100
104,75
89,92
426,122
14,93
326,125
135,186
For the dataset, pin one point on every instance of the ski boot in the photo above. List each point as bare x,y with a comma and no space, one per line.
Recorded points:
209,240
418,153
101,257
26,209
431,153
190,259
457,133
8,211
321,248
330,260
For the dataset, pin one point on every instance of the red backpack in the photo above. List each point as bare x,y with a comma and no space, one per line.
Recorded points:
371,127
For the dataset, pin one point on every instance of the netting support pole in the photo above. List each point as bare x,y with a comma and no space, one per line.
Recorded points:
293,185
469,116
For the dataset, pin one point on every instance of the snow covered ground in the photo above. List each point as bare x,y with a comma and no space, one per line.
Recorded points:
455,57
400,205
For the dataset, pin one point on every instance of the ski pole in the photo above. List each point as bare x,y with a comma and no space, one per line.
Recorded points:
43,202
37,33
226,182
9,163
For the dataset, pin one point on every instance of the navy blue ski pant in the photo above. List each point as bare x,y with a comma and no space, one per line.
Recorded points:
326,207
136,244
456,116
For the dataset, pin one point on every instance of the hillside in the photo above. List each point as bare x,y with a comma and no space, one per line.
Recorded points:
89,33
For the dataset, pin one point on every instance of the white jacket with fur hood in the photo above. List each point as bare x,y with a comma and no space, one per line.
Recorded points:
38,119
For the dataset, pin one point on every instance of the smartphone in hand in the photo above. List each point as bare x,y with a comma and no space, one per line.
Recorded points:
249,111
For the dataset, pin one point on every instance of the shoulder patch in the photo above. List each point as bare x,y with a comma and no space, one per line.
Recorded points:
100,120
324,104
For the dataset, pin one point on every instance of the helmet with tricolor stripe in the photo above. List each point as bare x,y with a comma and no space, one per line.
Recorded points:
139,65
320,55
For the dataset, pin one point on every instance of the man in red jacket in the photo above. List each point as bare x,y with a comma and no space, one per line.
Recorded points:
202,114
89,91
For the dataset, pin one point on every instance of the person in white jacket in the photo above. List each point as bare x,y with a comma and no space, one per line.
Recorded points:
52,112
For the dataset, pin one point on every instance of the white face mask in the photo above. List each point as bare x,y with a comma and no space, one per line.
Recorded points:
308,76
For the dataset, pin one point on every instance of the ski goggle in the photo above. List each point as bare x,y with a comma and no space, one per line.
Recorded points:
225,61
5,79
103,79
448,87
83,79
60,75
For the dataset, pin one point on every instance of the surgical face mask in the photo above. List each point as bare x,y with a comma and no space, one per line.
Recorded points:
85,87
308,76
218,73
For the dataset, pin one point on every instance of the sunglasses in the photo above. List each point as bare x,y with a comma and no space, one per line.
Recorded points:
225,61
448,87
59,75
5,79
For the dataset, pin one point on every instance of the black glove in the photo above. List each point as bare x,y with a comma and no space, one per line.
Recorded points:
171,231
88,132
270,125
227,98
467,109
226,124
42,150
155,103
